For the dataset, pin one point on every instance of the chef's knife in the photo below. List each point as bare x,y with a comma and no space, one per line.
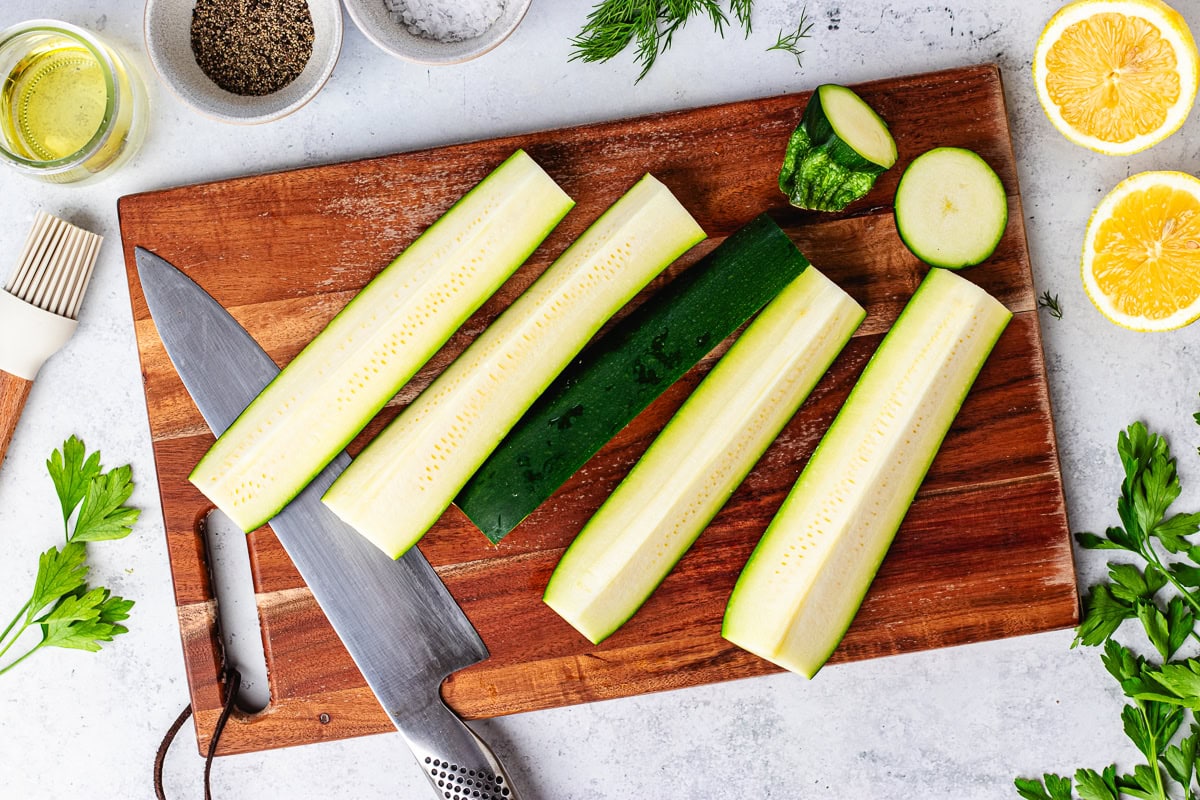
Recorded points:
396,618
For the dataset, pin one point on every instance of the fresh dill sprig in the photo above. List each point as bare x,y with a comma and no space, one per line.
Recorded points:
1050,303
741,10
789,42
649,25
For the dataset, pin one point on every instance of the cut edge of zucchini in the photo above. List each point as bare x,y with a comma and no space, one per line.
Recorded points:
857,124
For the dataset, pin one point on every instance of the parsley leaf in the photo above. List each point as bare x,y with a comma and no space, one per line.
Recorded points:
1132,584
1171,532
104,514
72,471
60,572
1120,661
1090,541
1180,761
1181,682
1105,613
1155,623
1181,621
1141,784
1055,787
1186,574
1094,785
82,622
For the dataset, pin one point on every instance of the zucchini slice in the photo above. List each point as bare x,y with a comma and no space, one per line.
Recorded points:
329,392
807,578
836,152
620,374
398,487
701,456
951,208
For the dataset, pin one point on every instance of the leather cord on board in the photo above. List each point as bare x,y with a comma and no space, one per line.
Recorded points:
232,680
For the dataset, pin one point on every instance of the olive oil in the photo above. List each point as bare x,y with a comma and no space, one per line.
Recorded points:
72,108
53,101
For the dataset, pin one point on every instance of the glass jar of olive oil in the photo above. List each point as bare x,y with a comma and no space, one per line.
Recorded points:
71,107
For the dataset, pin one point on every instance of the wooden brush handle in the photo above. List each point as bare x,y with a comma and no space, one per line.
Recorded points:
14,392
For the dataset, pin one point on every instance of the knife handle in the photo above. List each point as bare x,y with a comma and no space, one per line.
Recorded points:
14,392
458,764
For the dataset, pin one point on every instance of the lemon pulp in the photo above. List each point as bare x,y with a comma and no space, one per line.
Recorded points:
1113,76
1116,76
1148,253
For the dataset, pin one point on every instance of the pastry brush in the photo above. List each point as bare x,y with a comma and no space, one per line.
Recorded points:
38,308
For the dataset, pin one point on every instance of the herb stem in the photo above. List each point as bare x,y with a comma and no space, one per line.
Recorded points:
1148,553
1152,756
13,640
20,614
35,648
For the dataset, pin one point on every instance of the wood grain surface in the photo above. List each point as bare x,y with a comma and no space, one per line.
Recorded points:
983,553
14,392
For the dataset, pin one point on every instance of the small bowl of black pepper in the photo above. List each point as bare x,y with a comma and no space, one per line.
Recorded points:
244,61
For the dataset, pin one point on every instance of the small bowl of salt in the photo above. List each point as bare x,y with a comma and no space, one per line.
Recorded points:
437,31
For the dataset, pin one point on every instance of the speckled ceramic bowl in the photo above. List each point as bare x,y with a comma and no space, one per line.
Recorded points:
377,23
168,26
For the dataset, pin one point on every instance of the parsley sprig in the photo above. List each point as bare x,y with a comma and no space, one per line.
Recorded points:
1162,591
650,25
66,611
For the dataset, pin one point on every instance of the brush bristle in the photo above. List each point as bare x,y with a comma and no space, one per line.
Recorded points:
56,266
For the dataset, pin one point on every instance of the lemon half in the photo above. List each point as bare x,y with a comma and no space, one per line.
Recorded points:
1116,76
1141,253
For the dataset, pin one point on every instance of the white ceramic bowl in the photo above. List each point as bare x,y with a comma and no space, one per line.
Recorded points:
168,27
377,24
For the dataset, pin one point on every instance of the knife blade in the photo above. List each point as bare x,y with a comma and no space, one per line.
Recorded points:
397,620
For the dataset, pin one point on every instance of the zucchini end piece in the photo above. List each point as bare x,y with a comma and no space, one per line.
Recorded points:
836,152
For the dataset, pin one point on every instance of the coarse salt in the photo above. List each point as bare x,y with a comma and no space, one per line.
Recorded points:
446,20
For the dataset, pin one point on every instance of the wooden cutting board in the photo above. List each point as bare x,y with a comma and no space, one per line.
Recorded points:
984,552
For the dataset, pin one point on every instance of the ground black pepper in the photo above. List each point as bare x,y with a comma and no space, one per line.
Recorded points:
252,47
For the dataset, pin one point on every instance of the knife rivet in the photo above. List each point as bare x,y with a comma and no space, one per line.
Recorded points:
324,718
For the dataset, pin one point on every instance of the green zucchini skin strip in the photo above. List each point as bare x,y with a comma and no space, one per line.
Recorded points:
328,393
821,171
702,455
806,579
404,480
621,373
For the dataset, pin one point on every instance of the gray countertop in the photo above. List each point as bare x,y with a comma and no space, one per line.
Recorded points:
957,723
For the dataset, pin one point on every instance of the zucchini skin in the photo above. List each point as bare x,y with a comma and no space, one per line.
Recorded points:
625,370
820,171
